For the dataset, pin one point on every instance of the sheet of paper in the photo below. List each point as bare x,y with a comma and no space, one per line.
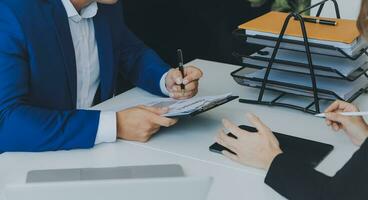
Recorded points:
344,89
185,107
284,67
290,90
324,42
351,51
344,65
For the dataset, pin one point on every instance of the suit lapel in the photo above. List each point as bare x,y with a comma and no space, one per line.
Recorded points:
60,21
105,52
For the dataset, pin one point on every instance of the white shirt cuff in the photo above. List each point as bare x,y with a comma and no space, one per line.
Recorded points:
106,131
163,85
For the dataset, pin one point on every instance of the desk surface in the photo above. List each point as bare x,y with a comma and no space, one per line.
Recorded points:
187,143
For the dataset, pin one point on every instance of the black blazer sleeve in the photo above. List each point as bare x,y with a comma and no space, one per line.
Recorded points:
295,180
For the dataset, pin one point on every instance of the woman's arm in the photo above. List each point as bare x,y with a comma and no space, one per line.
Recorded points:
296,180
289,175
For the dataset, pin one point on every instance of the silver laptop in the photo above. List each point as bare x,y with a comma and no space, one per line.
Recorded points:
109,173
179,188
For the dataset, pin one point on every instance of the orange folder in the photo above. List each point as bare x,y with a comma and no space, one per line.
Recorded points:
345,31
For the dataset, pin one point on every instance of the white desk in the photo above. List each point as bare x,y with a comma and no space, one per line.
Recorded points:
187,143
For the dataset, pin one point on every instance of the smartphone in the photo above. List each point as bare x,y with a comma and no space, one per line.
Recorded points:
218,148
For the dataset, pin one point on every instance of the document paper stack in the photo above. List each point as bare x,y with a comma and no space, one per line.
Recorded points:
338,57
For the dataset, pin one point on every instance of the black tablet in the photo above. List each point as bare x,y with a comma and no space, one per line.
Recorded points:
309,151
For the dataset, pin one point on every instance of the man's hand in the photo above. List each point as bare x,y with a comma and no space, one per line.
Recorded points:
354,127
141,123
254,149
191,81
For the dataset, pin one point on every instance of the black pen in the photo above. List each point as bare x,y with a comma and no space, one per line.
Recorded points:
181,67
320,21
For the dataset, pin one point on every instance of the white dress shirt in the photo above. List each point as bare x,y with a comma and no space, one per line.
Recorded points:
88,67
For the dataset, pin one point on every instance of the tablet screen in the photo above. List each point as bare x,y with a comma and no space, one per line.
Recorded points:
308,151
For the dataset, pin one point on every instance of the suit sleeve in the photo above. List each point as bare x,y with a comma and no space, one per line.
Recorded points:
141,65
296,180
24,127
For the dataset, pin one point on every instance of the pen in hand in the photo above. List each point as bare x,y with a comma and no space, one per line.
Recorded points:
181,67
350,114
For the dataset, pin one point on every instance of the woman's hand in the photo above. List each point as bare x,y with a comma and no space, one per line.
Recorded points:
354,127
253,149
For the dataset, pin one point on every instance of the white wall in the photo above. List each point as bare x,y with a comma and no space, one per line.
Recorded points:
349,9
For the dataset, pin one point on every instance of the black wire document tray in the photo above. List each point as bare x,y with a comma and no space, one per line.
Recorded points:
324,66
292,94
299,84
299,72
315,48
351,53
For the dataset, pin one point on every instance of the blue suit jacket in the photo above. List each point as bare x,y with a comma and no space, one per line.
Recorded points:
38,74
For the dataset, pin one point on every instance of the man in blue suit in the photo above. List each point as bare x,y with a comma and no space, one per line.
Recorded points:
60,57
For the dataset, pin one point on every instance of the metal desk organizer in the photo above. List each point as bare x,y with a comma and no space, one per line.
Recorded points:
310,48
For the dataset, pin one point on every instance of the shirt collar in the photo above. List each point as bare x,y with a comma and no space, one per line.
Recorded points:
88,12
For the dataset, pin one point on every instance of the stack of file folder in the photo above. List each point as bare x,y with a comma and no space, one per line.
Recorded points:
340,40
338,55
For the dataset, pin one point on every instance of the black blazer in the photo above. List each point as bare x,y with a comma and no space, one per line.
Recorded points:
295,180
